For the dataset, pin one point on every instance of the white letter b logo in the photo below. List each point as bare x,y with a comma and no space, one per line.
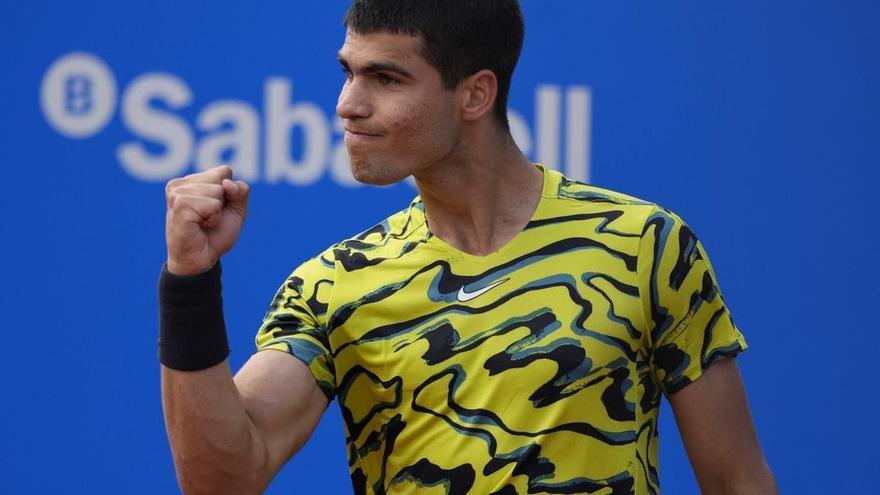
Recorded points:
78,95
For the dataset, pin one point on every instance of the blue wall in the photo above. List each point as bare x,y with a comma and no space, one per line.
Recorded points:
756,121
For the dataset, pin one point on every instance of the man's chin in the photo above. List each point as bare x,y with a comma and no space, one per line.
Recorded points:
377,181
373,175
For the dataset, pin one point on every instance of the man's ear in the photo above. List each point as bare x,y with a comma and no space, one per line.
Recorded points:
478,94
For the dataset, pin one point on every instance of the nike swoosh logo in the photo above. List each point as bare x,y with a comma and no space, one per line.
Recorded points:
465,296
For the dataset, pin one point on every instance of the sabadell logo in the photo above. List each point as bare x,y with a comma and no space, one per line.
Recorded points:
79,98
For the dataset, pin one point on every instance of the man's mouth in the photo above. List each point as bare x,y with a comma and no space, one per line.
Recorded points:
355,136
359,132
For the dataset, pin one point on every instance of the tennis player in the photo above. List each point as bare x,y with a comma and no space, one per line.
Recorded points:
510,331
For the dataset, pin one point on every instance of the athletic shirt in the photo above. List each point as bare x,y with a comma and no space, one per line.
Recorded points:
538,368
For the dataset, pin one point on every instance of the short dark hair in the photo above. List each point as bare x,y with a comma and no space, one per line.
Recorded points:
459,37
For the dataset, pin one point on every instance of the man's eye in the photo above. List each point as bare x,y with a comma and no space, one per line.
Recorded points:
386,79
347,73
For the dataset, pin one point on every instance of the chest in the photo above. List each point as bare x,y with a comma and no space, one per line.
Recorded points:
533,329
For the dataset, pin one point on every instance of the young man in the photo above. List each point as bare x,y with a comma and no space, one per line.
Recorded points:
511,331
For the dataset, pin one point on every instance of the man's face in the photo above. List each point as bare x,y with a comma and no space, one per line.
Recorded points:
398,118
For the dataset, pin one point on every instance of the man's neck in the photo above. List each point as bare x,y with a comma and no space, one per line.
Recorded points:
483,198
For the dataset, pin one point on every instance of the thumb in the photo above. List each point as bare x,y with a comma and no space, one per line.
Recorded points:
236,194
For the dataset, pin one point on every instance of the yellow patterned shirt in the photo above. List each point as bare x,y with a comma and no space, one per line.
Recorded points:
536,369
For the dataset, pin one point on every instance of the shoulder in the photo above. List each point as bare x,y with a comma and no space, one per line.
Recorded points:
570,189
623,213
392,237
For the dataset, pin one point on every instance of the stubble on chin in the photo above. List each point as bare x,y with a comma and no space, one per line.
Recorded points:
366,171
359,168
373,170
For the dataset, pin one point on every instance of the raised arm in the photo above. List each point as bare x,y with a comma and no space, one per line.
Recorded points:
227,435
231,436
716,427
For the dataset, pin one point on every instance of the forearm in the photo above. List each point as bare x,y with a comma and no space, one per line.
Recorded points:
716,426
217,449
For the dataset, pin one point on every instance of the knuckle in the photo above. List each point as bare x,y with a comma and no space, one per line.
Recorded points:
172,184
179,202
215,191
172,199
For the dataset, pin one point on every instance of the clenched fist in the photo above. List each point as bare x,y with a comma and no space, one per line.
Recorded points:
205,214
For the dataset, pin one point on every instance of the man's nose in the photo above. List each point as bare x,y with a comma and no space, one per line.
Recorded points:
352,103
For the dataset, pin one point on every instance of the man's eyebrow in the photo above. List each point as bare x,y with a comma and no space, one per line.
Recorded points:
374,67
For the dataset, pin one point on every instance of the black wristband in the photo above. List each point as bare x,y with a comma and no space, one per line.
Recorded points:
192,332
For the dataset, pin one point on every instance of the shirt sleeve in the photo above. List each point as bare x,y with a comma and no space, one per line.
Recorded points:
296,322
689,325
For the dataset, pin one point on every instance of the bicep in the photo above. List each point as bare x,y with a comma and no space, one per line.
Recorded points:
716,426
283,401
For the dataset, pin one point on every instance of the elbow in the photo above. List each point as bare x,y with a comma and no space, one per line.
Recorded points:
216,482
757,481
221,473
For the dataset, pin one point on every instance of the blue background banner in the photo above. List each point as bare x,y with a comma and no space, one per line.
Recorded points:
755,121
